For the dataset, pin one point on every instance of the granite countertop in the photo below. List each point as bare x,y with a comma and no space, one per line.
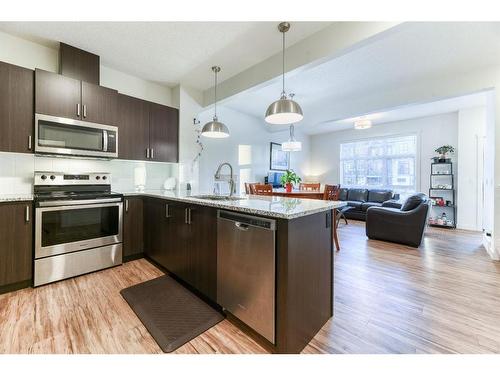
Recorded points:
278,207
16,197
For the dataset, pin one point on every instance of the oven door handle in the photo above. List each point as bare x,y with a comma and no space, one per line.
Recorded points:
77,202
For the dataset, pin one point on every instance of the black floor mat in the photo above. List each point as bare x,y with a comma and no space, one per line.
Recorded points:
171,313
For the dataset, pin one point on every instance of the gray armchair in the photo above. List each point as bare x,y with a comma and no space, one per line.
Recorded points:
405,225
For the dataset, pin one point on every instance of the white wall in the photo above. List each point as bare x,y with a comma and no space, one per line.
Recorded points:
250,138
432,132
471,127
16,171
31,55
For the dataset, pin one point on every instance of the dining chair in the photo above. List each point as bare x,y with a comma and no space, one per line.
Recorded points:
309,187
332,193
248,187
261,189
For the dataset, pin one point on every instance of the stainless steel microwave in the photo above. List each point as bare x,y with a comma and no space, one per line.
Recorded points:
63,136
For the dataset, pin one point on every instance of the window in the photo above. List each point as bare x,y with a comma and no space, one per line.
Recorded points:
387,163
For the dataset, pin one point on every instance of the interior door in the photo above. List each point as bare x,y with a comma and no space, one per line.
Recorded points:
164,133
57,95
133,125
99,104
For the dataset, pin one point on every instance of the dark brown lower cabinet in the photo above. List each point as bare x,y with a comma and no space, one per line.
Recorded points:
16,241
182,238
133,228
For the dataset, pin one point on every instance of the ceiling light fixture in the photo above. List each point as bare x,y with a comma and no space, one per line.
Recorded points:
214,128
292,144
283,111
362,124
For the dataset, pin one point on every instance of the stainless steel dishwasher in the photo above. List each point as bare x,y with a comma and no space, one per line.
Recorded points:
246,263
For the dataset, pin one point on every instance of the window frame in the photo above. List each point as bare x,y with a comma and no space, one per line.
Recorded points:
415,134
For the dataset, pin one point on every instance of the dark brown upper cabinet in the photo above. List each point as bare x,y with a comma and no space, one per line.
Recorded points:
79,64
60,96
16,108
16,233
133,123
164,133
147,131
99,104
57,95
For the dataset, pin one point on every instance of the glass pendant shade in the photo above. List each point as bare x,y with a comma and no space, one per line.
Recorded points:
362,124
215,128
292,144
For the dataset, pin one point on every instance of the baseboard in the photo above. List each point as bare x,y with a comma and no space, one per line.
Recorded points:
132,257
16,286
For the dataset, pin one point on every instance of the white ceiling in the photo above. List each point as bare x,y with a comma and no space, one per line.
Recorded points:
169,52
407,112
412,52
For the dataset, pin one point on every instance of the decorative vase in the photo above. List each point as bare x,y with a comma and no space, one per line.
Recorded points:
288,187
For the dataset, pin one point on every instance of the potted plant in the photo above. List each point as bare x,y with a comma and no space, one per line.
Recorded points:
288,179
443,151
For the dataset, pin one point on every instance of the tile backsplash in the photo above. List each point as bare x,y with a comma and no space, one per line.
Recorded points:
16,171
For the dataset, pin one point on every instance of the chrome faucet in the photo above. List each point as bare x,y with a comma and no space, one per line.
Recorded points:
231,178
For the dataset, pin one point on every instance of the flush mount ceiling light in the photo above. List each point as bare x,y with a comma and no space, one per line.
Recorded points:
284,110
292,144
215,128
362,124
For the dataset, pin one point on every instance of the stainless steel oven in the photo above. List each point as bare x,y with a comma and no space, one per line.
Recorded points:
78,225
66,226
58,135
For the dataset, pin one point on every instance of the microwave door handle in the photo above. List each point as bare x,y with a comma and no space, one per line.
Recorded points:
105,140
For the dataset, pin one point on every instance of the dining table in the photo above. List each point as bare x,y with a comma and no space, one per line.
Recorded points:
296,193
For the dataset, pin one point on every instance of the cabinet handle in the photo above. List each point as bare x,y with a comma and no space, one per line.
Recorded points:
27,216
29,142
187,215
126,205
78,110
167,211
147,153
152,153
84,111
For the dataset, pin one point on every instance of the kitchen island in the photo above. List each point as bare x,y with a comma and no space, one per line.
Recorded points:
180,231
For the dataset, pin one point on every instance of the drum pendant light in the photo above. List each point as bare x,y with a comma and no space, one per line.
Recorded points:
292,144
214,128
284,110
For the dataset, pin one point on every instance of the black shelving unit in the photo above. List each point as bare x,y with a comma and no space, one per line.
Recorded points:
443,172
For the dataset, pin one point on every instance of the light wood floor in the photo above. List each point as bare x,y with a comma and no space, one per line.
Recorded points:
441,298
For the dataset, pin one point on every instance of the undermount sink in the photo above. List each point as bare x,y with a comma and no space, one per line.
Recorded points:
217,197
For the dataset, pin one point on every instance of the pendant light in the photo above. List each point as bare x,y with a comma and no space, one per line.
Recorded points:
214,128
292,144
362,124
284,110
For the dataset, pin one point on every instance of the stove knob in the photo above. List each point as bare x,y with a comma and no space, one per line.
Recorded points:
44,177
104,178
97,177
52,177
